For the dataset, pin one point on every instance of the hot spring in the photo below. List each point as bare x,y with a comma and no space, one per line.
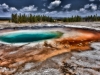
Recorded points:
28,36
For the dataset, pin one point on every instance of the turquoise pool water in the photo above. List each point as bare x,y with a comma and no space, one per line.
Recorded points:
29,36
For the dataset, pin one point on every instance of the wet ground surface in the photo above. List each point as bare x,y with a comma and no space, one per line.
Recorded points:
76,53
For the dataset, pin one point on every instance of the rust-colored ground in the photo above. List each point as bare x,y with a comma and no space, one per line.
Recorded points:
16,56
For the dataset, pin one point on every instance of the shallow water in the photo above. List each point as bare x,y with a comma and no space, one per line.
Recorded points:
29,36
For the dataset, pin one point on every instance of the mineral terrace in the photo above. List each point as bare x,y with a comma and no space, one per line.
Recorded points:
77,52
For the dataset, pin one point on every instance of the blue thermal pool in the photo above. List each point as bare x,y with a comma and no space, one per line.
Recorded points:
29,36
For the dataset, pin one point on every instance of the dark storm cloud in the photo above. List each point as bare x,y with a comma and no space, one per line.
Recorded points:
50,7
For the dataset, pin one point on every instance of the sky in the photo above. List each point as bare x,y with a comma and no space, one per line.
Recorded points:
54,8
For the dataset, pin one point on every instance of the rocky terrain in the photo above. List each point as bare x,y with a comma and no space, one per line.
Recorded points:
66,56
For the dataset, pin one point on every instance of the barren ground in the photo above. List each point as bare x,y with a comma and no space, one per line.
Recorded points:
72,55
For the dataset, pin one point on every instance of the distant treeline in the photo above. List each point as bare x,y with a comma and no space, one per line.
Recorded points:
91,18
22,18
30,18
5,18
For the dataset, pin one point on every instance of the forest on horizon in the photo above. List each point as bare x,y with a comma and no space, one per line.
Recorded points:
22,18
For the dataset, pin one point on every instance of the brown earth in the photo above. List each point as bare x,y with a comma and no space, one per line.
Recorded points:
13,57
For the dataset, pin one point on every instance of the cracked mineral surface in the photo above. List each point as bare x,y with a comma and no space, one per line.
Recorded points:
77,52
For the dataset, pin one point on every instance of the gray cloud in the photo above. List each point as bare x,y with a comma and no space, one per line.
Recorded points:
91,0
5,8
54,4
30,8
43,10
73,13
13,9
84,11
92,6
67,6
86,6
